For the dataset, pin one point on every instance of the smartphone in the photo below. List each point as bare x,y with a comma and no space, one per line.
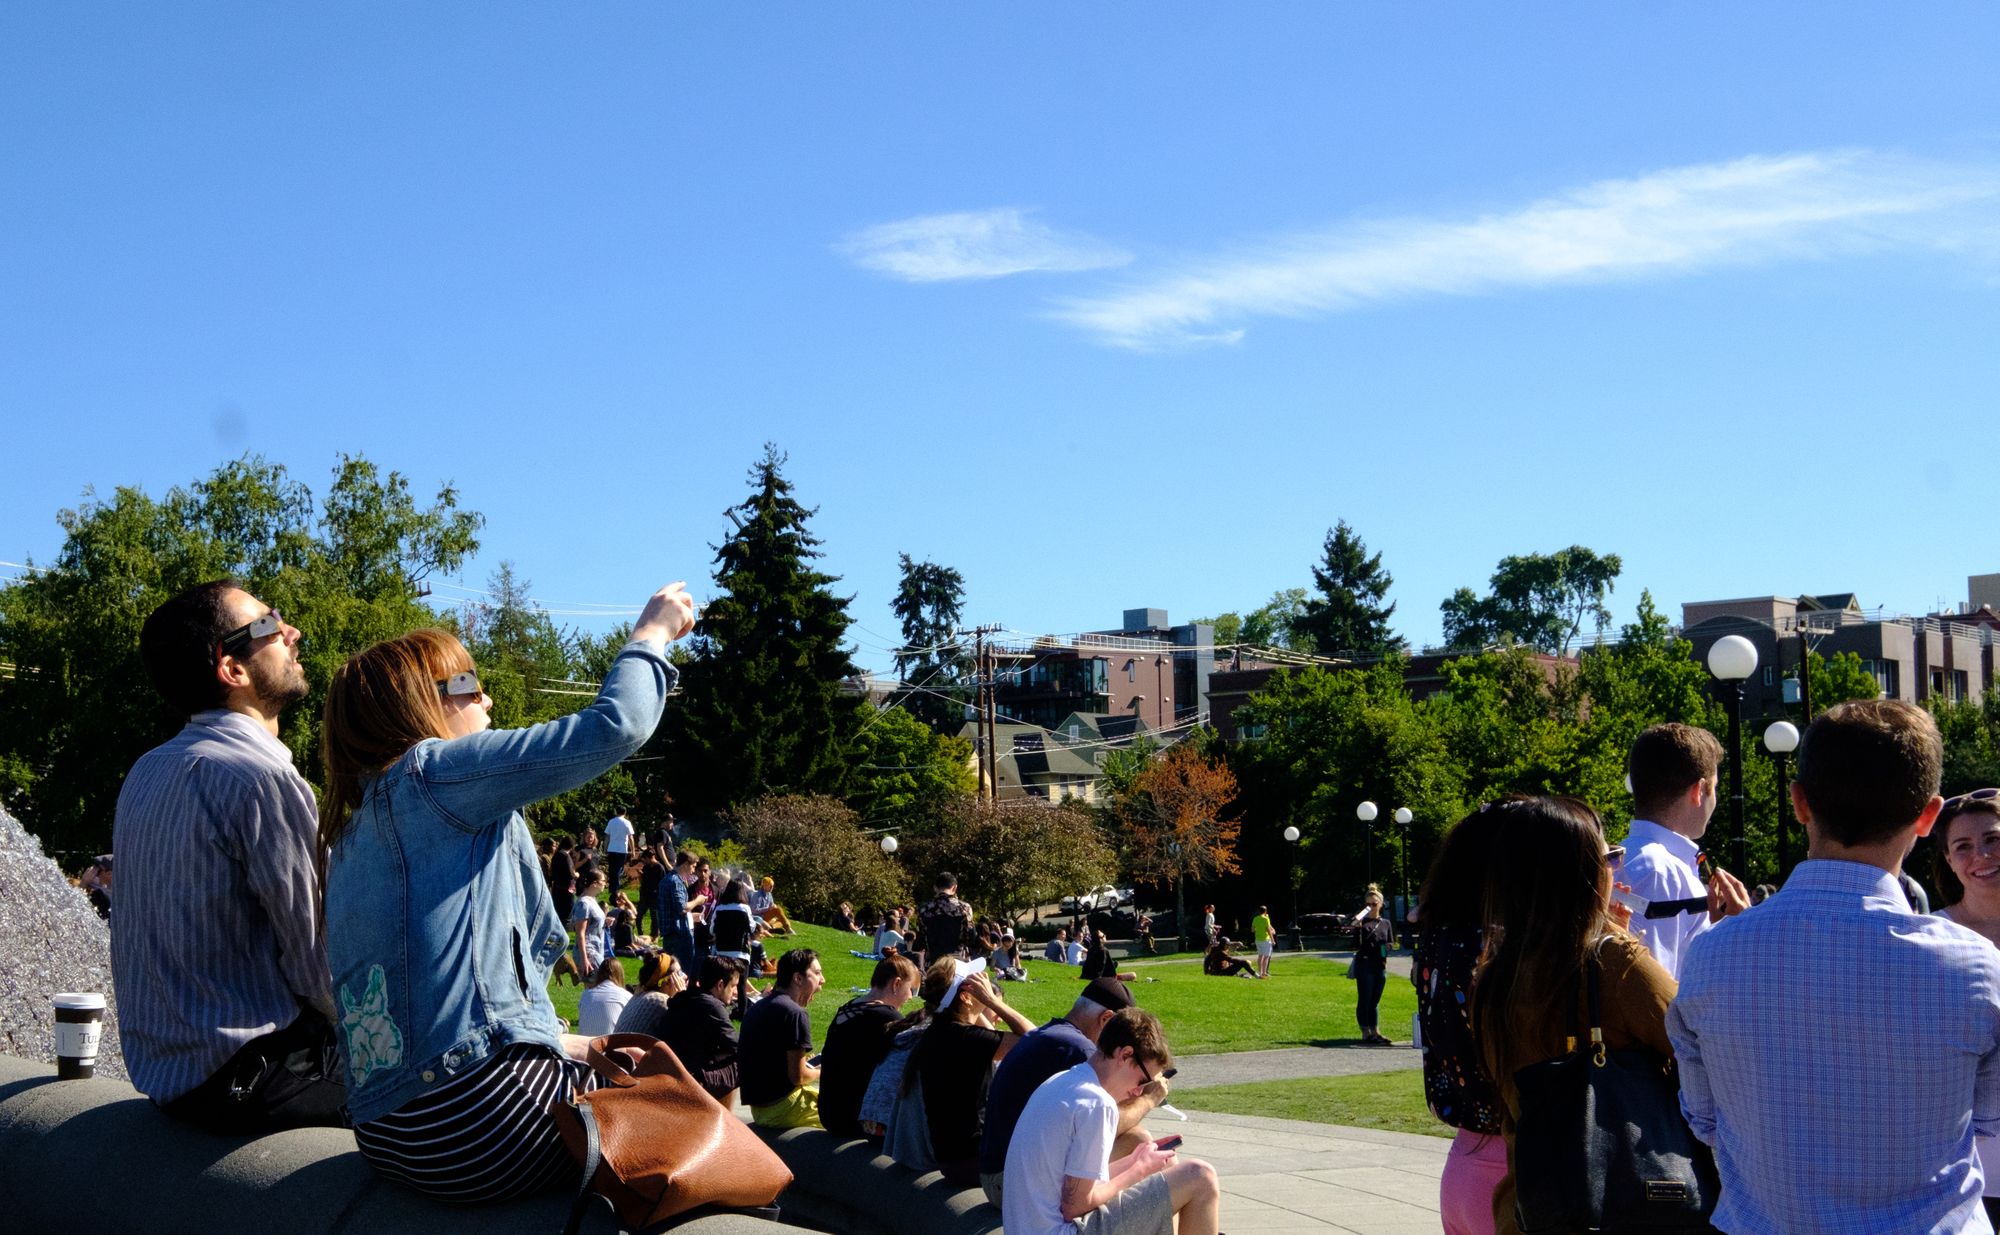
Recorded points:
814,1061
1169,1143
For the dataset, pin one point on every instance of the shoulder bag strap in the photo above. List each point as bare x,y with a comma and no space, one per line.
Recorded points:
593,1156
1590,979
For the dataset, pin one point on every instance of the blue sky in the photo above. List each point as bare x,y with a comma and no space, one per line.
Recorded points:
1104,306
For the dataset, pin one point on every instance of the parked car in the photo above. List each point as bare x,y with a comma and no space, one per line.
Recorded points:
1104,896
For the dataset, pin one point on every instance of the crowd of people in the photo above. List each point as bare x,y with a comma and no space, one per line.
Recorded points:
380,957
1836,1047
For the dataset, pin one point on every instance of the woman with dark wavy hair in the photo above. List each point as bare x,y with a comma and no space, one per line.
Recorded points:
1548,920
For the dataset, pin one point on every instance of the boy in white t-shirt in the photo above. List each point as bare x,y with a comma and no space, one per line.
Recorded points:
1060,1178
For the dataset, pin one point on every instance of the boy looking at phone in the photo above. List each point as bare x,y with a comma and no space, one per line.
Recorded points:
1060,1177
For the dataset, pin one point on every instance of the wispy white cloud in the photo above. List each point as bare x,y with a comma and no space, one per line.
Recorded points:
974,244
1673,222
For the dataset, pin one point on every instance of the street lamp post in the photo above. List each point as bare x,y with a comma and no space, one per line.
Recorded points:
1781,739
1366,813
1732,659
1403,816
1298,936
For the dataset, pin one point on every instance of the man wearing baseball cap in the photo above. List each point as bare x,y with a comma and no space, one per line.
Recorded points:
1057,1047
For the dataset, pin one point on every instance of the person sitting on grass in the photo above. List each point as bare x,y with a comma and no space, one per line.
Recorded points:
1062,1177
698,1030
780,1087
888,938
844,920
1057,1047
603,1000
764,903
858,1041
955,1058
1006,958
1218,963
660,979
1057,949
1097,962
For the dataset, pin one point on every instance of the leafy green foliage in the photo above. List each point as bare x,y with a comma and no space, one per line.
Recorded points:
811,845
1276,622
1347,618
1971,734
1228,627
1538,599
906,776
80,710
928,601
1011,856
767,706
1838,678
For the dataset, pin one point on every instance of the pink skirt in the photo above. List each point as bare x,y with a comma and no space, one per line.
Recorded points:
1474,1168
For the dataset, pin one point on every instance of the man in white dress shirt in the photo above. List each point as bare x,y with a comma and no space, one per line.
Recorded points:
1673,772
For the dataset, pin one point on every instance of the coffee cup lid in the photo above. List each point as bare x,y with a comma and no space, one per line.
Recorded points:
81,1001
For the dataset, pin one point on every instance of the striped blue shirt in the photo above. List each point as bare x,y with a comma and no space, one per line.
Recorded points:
1840,1053
216,940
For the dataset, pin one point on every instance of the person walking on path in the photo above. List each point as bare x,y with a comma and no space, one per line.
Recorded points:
216,949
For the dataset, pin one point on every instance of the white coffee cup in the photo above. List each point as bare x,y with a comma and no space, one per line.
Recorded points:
79,1029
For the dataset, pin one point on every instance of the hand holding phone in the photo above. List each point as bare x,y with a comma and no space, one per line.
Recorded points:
1167,1144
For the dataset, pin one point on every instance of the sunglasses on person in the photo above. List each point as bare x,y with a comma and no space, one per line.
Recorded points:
243,636
466,683
1952,806
1614,854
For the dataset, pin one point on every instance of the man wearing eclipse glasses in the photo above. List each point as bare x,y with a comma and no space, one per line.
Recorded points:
217,952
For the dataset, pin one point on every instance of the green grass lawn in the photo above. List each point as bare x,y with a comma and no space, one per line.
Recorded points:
1306,1002
1391,1101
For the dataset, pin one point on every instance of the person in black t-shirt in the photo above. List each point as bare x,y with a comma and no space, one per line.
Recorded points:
858,1041
779,1086
955,1058
698,1030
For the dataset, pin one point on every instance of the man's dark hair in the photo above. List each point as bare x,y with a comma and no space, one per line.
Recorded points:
716,970
1666,760
946,881
794,964
178,642
1140,1030
1868,768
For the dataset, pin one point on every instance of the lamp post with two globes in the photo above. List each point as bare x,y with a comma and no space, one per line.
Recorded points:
1732,659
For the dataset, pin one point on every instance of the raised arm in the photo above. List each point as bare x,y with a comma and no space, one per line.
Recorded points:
479,778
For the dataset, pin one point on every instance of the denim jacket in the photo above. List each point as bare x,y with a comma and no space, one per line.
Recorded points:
441,932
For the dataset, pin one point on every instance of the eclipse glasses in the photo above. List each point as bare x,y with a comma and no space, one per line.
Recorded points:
236,640
466,683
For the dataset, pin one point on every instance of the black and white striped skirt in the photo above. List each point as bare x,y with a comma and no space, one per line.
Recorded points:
486,1136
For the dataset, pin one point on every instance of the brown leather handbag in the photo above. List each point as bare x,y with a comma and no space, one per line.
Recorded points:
655,1145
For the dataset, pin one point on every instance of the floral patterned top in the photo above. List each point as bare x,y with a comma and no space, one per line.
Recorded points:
1455,1084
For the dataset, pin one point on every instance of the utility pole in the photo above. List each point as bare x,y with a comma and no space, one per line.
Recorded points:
984,724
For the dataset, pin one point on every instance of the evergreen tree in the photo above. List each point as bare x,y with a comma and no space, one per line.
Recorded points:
1348,617
766,706
932,660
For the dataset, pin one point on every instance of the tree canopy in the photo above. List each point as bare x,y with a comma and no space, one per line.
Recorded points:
1539,600
346,570
932,659
1347,618
768,702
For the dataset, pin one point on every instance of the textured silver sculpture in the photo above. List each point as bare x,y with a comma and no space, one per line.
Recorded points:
50,940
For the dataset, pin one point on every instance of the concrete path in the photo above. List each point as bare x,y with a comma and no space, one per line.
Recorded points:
1242,1067
1284,1177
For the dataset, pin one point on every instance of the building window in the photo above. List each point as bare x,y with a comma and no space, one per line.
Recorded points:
1770,675
1131,670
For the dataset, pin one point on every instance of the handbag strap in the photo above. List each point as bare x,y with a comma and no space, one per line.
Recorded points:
1590,982
593,1156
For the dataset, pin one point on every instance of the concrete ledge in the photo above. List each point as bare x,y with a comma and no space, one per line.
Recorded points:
85,1157
850,1188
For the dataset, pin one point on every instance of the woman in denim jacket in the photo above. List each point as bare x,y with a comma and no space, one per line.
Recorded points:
440,930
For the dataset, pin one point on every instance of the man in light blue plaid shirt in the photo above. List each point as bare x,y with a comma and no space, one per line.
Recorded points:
1839,1052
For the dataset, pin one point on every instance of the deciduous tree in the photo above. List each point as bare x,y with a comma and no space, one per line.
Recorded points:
1541,600
810,844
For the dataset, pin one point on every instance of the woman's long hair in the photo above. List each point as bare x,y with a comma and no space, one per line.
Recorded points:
1546,909
1454,892
383,701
